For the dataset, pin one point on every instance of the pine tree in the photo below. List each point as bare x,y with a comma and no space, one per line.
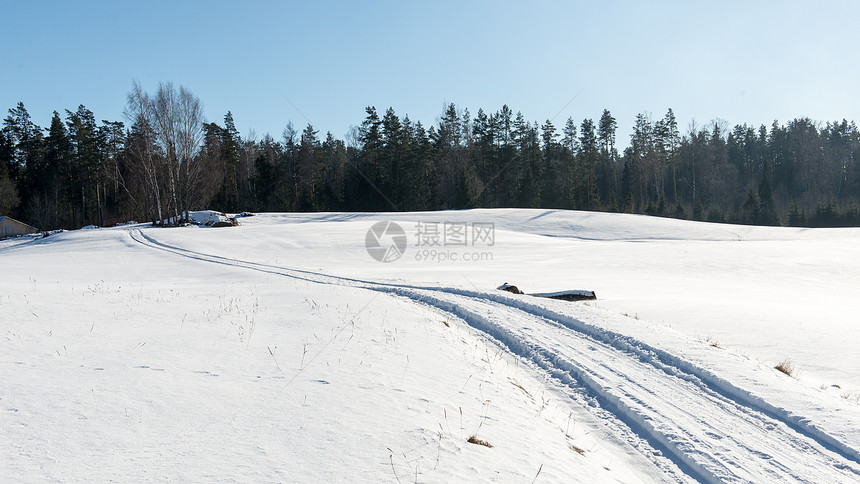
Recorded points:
373,176
26,140
483,153
227,197
6,153
85,177
333,161
453,183
570,145
552,185
629,181
392,158
307,170
606,128
531,165
588,158
643,160
112,139
505,171
672,140
55,195
9,199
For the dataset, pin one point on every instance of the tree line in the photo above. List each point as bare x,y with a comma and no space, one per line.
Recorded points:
168,159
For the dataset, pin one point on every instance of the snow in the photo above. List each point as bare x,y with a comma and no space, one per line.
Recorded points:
280,350
768,292
208,218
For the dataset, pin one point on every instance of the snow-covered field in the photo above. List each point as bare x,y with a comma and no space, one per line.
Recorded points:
280,350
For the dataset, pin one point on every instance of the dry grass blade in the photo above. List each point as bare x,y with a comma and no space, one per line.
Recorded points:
786,366
517,384
538,473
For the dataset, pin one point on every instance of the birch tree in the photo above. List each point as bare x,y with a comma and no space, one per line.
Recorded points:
170,124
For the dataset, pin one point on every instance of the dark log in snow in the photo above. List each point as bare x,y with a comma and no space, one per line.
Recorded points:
572,295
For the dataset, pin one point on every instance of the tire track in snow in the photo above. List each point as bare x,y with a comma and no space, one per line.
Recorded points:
637,394
675,365
660,402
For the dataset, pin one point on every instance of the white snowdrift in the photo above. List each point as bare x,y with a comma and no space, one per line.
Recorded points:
281,351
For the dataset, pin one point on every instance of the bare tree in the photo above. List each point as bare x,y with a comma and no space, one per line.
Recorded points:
143,160
189,137
166,117
167,136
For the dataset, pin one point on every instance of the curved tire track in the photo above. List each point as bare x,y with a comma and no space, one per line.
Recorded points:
649,390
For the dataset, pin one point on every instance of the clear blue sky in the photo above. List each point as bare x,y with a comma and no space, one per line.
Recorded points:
323,62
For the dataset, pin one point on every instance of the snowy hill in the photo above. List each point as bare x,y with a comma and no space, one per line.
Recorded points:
281,350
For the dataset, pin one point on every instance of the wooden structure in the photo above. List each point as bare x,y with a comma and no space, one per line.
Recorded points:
9,227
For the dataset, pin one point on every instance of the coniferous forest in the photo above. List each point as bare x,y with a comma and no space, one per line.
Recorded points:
164,158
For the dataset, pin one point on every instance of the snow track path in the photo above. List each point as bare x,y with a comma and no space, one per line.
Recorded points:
711,430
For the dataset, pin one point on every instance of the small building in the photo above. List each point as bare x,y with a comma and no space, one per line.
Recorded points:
9,227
